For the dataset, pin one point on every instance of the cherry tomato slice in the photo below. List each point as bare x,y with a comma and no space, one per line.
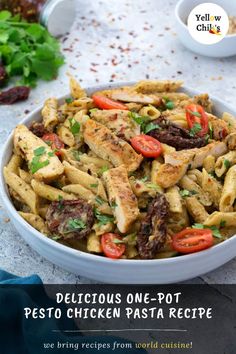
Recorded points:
110,248
146,145
54,142
106,103
192,240
197,119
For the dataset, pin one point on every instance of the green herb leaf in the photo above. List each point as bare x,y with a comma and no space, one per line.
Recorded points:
36,164
117,241
140,120
5,15
153,186
99,200
94,185
74,126
113,204
56,237
144,179
215,231
76,155
93,110
211,132
75,224
196,114
151,126
103,219
28,50
103,169
227,163
69,100
39,151
222,223
185,193
51,154
195,129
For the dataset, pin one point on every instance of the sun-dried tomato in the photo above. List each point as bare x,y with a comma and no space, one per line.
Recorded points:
15,94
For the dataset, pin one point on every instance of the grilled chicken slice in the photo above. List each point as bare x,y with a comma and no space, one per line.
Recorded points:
121,197
118,121
177,163
108,146
26,145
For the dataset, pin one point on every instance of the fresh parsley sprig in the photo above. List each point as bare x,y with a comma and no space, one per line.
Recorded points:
28,50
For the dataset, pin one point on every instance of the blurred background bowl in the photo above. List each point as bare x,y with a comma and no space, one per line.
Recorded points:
224,48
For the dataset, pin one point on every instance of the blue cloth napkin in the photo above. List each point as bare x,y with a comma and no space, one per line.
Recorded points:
19,335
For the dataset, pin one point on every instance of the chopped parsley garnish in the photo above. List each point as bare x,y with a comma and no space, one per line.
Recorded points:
195,129
117,241
196,114
103,169
99,200
36,164
210,130
152,185
140,120
69,100
215,231
227,163
103,219
39,151
56,237
185,193
150,126
222,223
51,153
94,185
76,155
75,224
74,126
93,110
60,204
144,179
113,204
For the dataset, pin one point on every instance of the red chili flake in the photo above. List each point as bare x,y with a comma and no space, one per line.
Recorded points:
113,76
15,94
114,62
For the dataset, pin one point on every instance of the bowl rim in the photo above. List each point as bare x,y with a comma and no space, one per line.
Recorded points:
89,256
178,17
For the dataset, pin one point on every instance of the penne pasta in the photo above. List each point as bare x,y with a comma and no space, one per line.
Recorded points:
24,190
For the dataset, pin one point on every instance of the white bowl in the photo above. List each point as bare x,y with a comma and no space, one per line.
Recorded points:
103,269
224,48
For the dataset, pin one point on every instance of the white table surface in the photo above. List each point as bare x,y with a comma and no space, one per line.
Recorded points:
115,41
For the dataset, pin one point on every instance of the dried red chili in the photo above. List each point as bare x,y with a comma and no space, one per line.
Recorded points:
15,94
28,9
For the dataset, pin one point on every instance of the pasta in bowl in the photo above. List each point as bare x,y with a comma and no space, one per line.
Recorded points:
140,172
